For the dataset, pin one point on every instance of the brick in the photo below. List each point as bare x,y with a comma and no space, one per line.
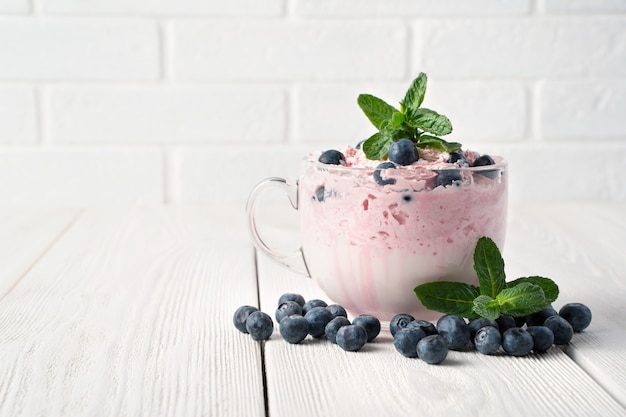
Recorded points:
542,47
76,177
284,50
578,6
409,8
79,50
487,111
167,7
227,174
167,115
18,115
583,109
15,6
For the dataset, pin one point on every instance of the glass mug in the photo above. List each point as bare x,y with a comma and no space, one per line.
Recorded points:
370,236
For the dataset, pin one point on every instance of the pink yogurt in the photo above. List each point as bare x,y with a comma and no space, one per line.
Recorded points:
368,245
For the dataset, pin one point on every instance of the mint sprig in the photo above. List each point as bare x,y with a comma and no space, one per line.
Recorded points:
493,296
411,121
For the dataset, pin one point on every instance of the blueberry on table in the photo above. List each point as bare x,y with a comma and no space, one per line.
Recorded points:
332,157
291,297
455,330
378,176
405,341
426,326
294,329
333,327
543,337
578,315
517,342
488,340
479,323
318,318
260,325
371,325
336,310
287,308
505,323
399,322
313,303
537,319
403,152
241,315
351,337
432,349
458,158
563,331
447,177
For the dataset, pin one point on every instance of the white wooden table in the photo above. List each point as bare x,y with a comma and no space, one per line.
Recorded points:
128,312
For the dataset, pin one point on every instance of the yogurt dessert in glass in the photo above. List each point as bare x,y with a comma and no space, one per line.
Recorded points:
400,209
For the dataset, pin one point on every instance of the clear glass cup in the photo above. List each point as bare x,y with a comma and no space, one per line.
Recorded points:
370,236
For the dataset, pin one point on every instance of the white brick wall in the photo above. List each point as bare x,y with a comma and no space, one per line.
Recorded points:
192,101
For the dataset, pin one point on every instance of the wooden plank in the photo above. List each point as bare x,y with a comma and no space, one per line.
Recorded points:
25,235
582,248
130,314
317,378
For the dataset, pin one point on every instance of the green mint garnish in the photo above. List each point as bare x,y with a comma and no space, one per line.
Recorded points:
494,296
411,121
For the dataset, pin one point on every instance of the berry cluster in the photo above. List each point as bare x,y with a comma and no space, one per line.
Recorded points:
517,336
298,319
413,338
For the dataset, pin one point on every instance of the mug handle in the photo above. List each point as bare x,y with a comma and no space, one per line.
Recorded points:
288,259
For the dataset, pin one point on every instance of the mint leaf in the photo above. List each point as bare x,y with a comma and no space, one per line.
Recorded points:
522,299
427,141
448,297
397,119
489,267
549,287
414,95
486,307
430,121
377,145
376,110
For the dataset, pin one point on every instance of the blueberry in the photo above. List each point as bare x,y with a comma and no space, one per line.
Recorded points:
351,337
294,329
291,297
478,324
332,157
336,310
488,340
577,314
505,323
520,321
318,318
447,177
378,174
405,341
517,342
370,323
458,158
260,325
543,337
320,193
241,315
287,309
483,160
333,327
455,330
403,152
537,319
426,326
399,321
563,331
313,303
432,349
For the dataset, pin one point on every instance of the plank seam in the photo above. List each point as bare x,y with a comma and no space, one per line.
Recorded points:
43,253
262,344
